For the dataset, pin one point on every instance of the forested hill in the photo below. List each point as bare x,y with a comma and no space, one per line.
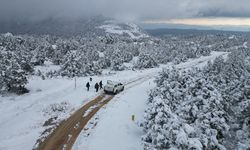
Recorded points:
87,27
55,26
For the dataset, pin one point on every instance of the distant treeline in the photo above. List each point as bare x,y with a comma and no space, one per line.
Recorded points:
166,31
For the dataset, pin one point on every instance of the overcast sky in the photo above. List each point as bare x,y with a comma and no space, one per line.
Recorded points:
135,10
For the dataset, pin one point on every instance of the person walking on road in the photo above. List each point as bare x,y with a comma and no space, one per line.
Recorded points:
96,87
88,85
100,84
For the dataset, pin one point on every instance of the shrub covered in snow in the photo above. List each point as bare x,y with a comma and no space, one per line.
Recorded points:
56,109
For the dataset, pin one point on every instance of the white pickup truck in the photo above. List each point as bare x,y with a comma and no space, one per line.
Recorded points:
113,87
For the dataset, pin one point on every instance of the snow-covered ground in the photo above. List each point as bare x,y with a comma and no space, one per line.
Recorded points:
201,62
22,117
47,67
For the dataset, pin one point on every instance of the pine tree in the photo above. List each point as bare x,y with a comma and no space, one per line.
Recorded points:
71,66
145,61
12,75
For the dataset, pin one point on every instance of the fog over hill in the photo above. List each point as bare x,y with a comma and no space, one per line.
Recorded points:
56,26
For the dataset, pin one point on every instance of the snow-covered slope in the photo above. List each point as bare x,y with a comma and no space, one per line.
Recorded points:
129,29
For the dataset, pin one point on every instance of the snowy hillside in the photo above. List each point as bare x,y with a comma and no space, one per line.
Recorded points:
88,27
129,29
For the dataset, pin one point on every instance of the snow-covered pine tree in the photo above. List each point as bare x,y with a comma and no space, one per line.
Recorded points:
116,59
71,66
13,77
145,61
39,56
77,64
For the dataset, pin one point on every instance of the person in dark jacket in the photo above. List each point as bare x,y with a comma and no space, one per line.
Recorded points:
100,84
96,87
88,85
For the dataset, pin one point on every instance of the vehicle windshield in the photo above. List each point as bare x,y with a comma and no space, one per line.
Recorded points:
109,82
112,82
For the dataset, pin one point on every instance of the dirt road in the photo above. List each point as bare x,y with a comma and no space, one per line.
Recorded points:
65,135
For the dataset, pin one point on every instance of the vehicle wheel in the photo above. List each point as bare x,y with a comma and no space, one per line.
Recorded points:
122,89
116,92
